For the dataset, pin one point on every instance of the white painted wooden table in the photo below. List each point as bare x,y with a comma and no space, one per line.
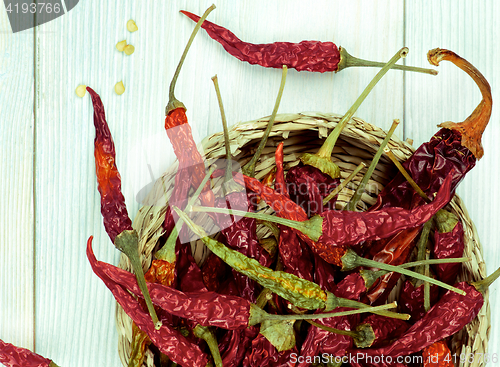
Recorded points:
50,300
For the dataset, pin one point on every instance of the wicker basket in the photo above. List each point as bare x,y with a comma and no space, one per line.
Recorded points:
305,132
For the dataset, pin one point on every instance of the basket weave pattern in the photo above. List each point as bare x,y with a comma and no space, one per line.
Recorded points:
301,133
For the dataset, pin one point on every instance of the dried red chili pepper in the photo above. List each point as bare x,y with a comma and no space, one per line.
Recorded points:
294,253
308,186
227,312
12,356
437,355
411,299
448,243
319,341
448,316
330,230
169,341
454,148
263,353
113,208
313,56
300,292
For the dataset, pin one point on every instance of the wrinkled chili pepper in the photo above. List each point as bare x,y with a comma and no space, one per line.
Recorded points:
448,316
448,243
411,299
179,131
227,312
12,356
300,292
437,355
113,208
308,186
327,232
263,353
168,340
313,56
455,148
319,341
294,253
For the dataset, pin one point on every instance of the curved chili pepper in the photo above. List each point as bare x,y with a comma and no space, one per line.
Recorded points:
113,208
12,356
411,299
263,353
294,253
327,232
169,341
448,243
308,186
454,148
448,316
319,341
437,355
313,56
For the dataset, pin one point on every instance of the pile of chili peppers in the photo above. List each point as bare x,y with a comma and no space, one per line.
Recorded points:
306,294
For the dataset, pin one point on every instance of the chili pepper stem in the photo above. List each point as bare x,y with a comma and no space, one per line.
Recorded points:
351,260
347,61
406,175
361,188
167,252
228,174
173,103
311,228
128,243
249,168
257,315
322,159
427,286
482,285
370,276
344,183
350,333
422,245
206,334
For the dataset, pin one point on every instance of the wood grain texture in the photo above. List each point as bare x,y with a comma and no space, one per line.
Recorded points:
16,186
469,29
74,311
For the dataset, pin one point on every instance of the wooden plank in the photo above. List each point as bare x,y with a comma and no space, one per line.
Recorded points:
469,29
16,186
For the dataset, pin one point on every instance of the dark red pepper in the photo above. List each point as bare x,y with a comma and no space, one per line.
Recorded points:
319,341
12,356
448,243
411,299
307,55
308,186
453,149
169,341
448,316
113,208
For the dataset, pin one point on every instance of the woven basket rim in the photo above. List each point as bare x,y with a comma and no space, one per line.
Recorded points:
472,339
